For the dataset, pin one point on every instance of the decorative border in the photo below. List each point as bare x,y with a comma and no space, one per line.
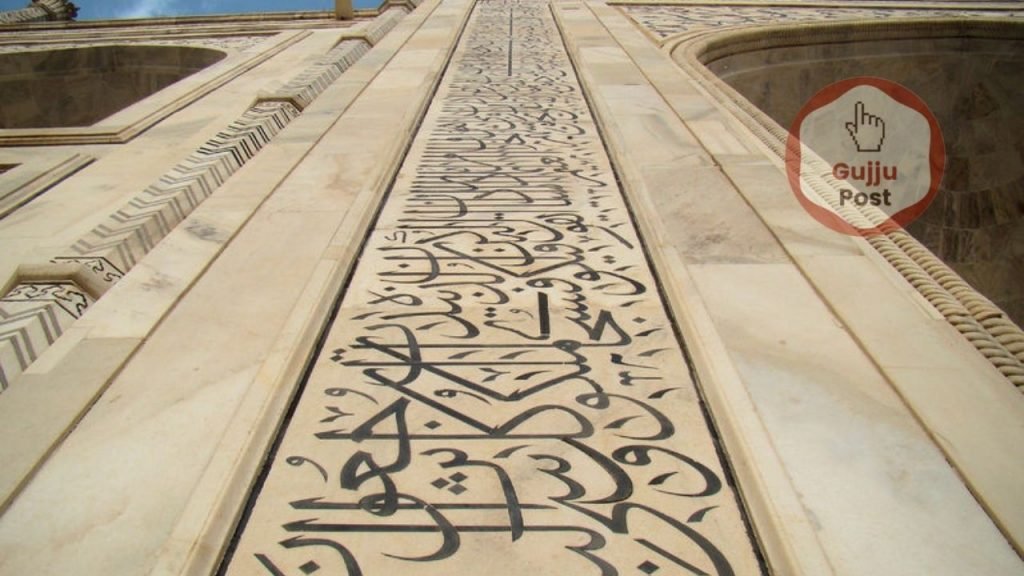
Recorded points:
40,11
977,318
133,230
480,369
661,21
32,317
132,121
105,254
230,44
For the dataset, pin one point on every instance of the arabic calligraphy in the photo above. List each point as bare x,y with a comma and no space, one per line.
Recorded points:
502,391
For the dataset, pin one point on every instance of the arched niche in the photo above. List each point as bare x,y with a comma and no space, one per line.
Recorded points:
969,73
80,86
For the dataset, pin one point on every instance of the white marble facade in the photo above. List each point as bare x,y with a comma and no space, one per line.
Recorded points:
497,286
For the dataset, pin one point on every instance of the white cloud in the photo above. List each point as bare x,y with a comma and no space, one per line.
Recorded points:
146,9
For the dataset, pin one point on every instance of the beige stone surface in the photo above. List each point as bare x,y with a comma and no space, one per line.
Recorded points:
941,379
974,222
789,535
56,219
852,429
898,327
800,236
871,480
88,365
34,176
764,185
525,342
151,407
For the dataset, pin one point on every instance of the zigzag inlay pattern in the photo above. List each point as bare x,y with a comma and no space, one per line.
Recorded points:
100,269
305,87
117,244
132,231
30,14
32,317
385,22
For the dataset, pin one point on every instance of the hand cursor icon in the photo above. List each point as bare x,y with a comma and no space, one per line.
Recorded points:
867,130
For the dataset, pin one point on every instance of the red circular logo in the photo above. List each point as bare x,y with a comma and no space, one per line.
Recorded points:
865,153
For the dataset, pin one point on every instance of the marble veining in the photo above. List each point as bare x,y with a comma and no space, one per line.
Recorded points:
502,391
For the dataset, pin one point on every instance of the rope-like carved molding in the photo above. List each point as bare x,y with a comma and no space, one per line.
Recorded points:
973,315
663,21
106,253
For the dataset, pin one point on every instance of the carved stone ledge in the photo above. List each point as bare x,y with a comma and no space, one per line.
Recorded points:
102,257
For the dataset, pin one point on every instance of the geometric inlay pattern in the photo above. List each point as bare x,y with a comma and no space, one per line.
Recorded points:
132,231
990,330
40,11
234,43
311,82
117,244
34,315
502,391
665,21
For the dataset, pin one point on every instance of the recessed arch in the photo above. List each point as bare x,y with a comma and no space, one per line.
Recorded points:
969,73
81,86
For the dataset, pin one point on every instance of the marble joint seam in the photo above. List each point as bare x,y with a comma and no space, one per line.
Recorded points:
506,380
983,324
135,124
32,317
665,21
307,86
136,228
21,194
117,244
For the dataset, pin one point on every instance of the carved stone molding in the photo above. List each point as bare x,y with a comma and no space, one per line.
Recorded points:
974,316
470,394
41,11
116,245
32,317
666,20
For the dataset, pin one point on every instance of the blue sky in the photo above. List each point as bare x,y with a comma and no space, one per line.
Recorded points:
102,9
